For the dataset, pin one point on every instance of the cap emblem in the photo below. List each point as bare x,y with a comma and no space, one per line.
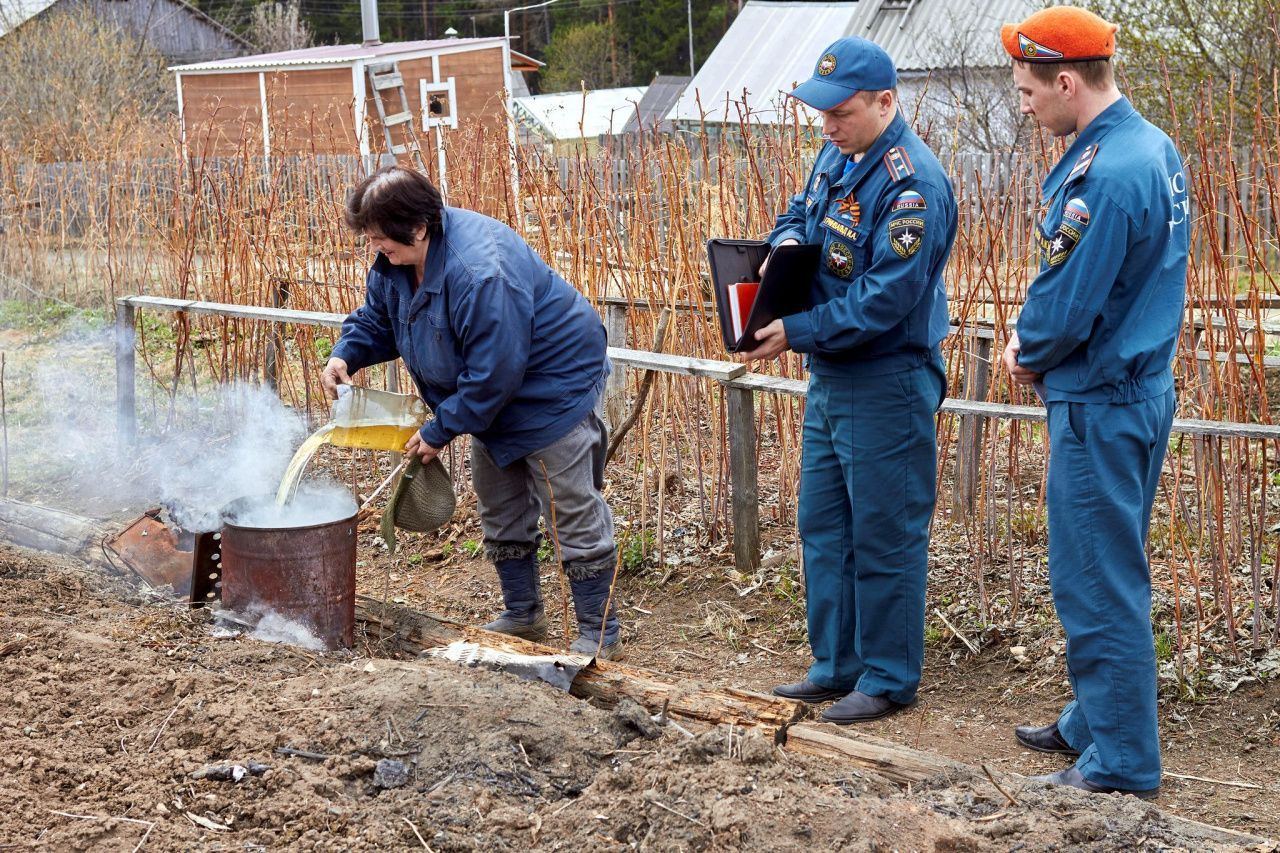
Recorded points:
1034,50
827,64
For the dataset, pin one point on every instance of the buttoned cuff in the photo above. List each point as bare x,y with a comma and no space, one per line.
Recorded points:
799,329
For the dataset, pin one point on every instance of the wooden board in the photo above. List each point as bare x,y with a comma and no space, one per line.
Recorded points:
606,682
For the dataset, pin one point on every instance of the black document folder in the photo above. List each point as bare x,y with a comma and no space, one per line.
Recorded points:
784,289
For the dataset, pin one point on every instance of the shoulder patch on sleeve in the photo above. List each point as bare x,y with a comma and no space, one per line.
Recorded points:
908,200
898,164
1082,164
906,234
1075,219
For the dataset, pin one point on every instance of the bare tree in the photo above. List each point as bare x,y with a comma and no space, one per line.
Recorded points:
969,97
72,85
1175,53
279,26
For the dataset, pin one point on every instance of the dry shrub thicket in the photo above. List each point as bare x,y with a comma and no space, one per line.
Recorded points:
631,222
73,87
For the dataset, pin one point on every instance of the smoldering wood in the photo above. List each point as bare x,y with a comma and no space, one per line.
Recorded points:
606,682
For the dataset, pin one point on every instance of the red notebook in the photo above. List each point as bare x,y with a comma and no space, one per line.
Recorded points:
742,295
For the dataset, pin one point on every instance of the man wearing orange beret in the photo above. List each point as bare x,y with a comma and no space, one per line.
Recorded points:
1096,337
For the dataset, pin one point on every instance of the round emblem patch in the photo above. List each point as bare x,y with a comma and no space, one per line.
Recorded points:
840,259
827,64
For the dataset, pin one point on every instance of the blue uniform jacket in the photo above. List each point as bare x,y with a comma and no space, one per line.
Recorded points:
500,346
1101,320
886,229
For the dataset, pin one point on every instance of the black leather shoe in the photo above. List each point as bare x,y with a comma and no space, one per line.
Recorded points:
807,691
859,707
1044,739
1072,778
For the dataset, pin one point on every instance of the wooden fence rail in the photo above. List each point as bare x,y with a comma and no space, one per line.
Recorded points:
739,387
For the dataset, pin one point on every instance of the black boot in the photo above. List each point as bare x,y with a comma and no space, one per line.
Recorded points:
524,616
589,598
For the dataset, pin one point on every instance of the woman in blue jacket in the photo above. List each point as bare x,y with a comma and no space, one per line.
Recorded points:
502,349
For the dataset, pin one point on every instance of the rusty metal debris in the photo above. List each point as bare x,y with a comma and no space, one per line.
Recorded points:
188,563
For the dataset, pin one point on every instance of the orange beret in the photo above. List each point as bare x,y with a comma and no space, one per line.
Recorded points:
1060,34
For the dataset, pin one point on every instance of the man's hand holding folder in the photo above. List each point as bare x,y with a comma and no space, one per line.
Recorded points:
771,341
750,313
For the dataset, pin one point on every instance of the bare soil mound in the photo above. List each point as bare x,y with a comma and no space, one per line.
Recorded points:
125,710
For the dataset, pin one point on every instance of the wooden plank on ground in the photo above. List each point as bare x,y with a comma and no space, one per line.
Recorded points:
899,763
46,529
607,682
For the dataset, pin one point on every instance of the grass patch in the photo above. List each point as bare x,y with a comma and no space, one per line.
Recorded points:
38,316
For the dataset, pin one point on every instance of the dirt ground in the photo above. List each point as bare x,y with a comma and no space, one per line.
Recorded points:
121,700
124,704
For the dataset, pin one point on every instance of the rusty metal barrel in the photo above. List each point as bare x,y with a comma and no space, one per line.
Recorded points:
305,574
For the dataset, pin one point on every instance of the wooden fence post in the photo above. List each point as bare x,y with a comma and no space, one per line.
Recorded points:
615,392
743,478
275,337
126,402
977,381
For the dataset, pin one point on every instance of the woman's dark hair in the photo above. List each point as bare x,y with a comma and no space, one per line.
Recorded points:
394,201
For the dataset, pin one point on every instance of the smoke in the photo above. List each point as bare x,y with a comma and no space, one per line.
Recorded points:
313,503
274,628
263,623
197,449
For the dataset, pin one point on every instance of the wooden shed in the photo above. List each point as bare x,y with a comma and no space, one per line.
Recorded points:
319,100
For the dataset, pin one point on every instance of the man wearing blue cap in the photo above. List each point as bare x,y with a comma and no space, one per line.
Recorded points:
881,207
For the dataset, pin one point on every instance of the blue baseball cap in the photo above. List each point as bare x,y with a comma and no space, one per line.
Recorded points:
849,65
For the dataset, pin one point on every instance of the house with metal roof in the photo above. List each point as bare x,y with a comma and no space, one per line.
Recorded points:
771,46
571,117
177,30
319,100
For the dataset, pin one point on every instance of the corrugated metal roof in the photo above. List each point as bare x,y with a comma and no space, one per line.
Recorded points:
578,115
658,100
928,35
767,49
771,46
345,54
14,13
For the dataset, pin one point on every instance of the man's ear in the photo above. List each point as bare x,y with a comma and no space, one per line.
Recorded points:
1066,84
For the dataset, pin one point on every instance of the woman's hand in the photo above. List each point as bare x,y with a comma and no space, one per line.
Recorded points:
333,375
415,446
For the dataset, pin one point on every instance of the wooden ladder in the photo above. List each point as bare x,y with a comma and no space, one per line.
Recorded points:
384,76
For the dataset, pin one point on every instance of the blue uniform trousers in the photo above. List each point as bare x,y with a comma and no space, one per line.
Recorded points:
867,491
1104,466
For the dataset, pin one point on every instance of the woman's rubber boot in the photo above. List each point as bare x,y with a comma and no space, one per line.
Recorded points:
589,598
524,616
